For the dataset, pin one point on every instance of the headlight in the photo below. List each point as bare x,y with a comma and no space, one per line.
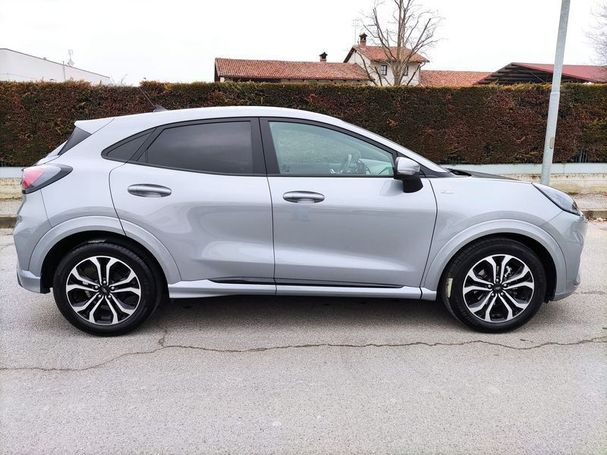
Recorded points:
560,199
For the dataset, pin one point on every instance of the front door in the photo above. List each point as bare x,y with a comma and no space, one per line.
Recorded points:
340,218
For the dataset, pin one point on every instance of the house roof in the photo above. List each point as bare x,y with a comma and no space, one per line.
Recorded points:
519,72
280,69
436,78
377,54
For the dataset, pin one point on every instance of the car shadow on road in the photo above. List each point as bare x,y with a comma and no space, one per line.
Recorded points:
265,311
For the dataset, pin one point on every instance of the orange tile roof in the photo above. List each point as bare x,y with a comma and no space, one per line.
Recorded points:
434,78
280,69
377,54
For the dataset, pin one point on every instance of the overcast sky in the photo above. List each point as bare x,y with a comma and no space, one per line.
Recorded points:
177,40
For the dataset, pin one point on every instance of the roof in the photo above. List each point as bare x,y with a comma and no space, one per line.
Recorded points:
111,130
281,69
519,72
377,54
50,61
436,78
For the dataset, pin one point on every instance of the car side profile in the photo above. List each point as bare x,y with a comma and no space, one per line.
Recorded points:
133,210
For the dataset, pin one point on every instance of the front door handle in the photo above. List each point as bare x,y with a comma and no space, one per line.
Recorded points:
303,196
149,190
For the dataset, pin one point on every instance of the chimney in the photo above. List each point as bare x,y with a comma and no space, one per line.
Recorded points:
362,40
323,57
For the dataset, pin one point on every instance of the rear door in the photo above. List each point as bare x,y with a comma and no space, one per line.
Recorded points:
340,217
201,189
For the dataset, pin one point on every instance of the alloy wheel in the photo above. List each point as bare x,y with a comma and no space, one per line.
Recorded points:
103,290
498,288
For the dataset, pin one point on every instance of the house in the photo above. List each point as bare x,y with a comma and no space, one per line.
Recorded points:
439,78
529,73
241,70
18,66
375,60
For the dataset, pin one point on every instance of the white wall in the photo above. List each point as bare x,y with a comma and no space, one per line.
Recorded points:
361,61
15,66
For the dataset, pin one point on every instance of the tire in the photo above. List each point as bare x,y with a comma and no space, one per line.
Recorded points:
490,301
128,296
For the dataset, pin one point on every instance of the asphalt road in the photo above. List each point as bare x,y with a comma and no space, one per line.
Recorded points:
306,375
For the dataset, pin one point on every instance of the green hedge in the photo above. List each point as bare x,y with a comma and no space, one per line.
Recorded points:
484,124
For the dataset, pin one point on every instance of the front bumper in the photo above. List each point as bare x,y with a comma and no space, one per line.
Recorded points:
569,231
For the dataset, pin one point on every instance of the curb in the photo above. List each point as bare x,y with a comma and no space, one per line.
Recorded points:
8,221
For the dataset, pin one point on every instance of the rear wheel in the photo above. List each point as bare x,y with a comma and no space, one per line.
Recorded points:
494,285
105,289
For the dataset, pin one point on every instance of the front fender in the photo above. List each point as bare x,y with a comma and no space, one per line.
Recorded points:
439,261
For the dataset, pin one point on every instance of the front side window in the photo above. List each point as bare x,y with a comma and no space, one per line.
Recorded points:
224,148
309,150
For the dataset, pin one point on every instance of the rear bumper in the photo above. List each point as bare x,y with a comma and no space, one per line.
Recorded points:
29,281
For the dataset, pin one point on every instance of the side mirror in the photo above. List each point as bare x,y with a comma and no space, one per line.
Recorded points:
408,171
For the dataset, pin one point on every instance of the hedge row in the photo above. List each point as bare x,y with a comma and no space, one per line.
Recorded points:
481,125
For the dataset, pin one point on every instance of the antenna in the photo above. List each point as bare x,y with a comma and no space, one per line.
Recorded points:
356,23
157,107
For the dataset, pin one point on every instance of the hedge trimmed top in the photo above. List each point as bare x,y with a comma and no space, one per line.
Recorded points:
480,125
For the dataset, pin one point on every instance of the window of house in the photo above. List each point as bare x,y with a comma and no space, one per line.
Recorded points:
224,148
309,150
383,70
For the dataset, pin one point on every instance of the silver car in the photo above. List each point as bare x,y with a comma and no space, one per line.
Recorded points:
133,210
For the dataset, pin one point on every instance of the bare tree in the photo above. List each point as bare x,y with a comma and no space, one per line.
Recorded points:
600,35
402,33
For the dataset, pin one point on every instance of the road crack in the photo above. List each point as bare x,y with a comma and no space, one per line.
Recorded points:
164,346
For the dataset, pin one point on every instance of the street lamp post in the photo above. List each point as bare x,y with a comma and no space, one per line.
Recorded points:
555,93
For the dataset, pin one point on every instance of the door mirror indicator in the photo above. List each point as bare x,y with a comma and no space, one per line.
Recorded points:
408,171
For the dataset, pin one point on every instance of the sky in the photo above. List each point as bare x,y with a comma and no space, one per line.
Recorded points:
177,40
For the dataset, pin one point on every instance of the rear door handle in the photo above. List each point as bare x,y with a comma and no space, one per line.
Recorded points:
149,190
303,196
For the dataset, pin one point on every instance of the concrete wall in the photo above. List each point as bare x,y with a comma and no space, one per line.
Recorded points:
16,66
580,178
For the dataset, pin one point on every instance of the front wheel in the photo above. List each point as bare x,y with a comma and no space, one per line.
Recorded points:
105,289
494,285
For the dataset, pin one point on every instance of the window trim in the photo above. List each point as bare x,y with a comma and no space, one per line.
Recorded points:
259,164
272,160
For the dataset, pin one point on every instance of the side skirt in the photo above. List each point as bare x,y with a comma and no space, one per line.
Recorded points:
208,288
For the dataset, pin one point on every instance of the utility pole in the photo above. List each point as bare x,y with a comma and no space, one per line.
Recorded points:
555,93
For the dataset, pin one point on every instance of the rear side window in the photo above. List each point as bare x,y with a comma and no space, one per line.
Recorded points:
77,136
224,148
124,150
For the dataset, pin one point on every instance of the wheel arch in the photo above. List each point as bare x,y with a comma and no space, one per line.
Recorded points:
55,243
538,240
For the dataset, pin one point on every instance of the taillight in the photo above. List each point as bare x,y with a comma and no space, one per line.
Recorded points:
36,177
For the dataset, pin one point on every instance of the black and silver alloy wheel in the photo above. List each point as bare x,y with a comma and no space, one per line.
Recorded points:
494,285
498,288
103,290
106,288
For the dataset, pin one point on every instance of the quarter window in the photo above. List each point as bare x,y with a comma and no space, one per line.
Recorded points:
309,150
225,148
125,150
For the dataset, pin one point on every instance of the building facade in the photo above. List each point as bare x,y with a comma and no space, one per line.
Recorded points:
21,67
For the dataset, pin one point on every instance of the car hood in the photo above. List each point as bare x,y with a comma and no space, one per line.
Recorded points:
466,173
